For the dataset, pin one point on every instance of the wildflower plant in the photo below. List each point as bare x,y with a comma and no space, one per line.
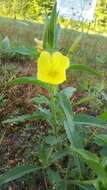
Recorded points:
65,141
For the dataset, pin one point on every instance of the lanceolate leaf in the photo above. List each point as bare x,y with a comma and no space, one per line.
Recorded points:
51,31
101,139
69,125
29,117
91,121
30,52
74,46
93,161
68,91
40,99
28,80
16,173
85,68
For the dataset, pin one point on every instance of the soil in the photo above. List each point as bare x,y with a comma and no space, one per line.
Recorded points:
18,140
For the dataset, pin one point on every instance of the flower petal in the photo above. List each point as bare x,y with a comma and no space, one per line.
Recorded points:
60,61
45,59
57,79
44,65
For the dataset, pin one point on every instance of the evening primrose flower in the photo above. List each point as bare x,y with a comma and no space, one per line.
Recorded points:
52,67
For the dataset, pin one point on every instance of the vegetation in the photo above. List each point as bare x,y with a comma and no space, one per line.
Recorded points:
37,9
52,129
26,8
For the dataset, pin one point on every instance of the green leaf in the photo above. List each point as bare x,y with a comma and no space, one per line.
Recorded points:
70,128
104,95
28,80
93,161
74,46
16,173
59,155
101,139
69,124
68,91
103,151
103,115
50,37
91,121
40,99
42,154
51,140
104,162
28,117
49,157
86,187
54,178
85,100
85,68
30,52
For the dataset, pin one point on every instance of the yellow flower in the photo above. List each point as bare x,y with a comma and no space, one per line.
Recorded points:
52,67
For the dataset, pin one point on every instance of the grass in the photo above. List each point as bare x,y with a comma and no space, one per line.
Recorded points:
91,50
20,32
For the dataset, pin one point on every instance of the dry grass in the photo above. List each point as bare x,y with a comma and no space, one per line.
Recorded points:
25,32
91,50
21,32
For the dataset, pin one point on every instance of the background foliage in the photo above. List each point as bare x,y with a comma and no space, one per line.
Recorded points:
25,8
35,9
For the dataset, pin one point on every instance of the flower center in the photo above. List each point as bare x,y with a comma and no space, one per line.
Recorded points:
53,73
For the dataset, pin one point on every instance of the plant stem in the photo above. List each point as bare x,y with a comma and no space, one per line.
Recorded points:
53,109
